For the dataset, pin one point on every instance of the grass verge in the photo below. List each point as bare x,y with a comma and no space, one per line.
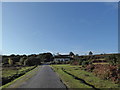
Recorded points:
18,81
73,75
68,80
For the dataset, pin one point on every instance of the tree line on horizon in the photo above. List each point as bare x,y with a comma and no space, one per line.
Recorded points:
37,59
26,60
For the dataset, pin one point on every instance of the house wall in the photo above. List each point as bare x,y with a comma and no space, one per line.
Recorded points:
61,59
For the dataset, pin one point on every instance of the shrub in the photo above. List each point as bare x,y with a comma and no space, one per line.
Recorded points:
107,72
75,63
113,59
10,62
84,63
22,60
80,61
89,67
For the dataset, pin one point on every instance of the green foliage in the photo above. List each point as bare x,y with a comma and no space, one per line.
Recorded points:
45,57
71,54
71,62
25,62
84,63
11,73
113,59
89,77
90,53
10,61
80,61
4,60
67,79
30,61
22,59
118,58
76,58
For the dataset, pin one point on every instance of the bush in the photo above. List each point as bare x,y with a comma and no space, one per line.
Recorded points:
31,61
84,63
80,61
107,72
10,61
75,63
113,59
89,67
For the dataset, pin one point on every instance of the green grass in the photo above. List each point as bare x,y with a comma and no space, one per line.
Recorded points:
67,79
8,71
86,76
20,79
11,73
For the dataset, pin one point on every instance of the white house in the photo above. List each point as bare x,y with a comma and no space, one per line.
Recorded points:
62,58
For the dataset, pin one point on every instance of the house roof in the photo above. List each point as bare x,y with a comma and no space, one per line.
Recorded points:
62,56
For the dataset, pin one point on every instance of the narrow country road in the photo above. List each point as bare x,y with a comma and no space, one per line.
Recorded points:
45,78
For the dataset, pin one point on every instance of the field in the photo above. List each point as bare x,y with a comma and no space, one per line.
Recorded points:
74,77
11,73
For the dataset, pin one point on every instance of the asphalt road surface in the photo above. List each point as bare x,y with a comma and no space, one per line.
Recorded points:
45,78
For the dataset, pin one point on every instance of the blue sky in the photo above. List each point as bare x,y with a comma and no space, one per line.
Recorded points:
29,28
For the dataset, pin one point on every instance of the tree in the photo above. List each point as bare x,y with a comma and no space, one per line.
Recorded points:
25,62
84,63
22,59
71,54
5,60
15,58
12,55
45,57
90,53
31,61
10,61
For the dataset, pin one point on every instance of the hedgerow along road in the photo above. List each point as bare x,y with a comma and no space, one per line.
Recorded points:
44,78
